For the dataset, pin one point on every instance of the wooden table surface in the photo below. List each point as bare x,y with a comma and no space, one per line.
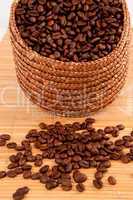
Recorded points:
18,115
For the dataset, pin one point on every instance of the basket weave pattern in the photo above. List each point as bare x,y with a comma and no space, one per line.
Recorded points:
69,88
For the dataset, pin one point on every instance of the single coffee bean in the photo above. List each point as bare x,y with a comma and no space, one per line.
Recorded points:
98,183
120,126
5,137
12,165
20,193
79,177
98,175
80,187
51,184
2,142
11,173
2,174
112,180
38,163
35,176
11,145
27,174
43,125
44,178
44,169
125,158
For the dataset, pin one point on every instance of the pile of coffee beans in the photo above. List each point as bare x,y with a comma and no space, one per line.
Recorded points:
71,30
72,147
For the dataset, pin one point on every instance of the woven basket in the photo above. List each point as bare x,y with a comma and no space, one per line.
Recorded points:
70,88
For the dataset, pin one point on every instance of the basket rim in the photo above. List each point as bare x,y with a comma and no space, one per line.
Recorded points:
37,56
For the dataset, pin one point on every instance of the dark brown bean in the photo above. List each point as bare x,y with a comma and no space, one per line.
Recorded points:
51,184
2,174
35,176
98,175
112,180
2,142
5,137
27,174
98,183
120,126
79,177
80,187
44,169
20,193
11,173
11,145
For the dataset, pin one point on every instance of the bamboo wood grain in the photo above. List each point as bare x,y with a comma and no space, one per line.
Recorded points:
18,115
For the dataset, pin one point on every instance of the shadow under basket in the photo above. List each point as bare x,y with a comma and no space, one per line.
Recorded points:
70,88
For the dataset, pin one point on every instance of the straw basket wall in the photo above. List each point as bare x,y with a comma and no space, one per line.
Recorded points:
69,88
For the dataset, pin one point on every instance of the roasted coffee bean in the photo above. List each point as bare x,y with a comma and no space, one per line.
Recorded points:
38,163
98,183
84,164
19,170
70,30
125,158
2,174
66,183
20,193
98,175
27,174
11,145
27,167
11,173
35,176
112,180
5,137
19,148
79,177
109,129
44,169
14,158
12,165
51,184
44,178
2,142
80,187
43,125
120,126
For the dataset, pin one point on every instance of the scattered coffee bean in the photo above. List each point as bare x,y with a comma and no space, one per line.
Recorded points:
73,147
51,184
120,126
11,173
79,177
27,174
5,137
11,145
80,187
112,180
98,183
2,174
44,169
20,193
35,176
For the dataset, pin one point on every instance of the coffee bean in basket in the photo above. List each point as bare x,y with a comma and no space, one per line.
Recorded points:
70,30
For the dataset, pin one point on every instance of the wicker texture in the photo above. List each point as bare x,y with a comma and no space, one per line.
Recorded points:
69,88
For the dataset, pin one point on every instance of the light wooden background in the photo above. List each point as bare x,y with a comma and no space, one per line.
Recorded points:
18,115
